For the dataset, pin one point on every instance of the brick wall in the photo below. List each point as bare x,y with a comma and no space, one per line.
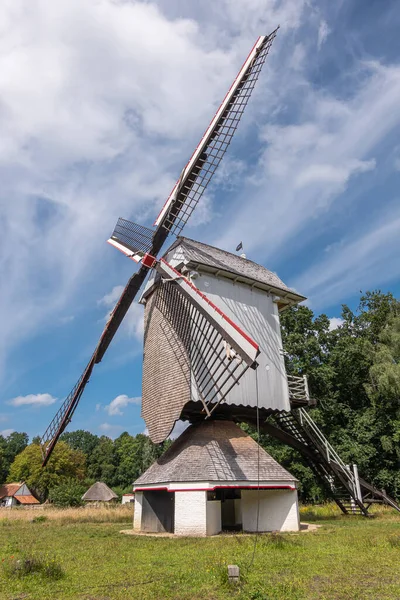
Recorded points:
190,513
137,515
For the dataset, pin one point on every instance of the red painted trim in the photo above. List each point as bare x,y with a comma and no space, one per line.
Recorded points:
218,487
210,303
149,261
194,151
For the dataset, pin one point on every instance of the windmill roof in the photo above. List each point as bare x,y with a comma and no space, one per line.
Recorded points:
9,489
215,451
99,492
221,260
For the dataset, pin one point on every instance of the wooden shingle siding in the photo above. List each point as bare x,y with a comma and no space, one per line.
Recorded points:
166,374
215,451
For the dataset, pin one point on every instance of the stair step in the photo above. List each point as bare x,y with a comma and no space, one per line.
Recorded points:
325,463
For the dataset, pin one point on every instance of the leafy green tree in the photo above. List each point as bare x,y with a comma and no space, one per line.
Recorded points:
68,493
353,374
102,462
63,465
134,455
1,465
10,446
81,440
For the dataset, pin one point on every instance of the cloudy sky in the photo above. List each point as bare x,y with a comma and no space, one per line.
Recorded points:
101,105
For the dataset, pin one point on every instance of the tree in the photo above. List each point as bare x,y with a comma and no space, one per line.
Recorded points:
353,373
64,464
68,493
1,465
134,455
102,462
81,440
10,446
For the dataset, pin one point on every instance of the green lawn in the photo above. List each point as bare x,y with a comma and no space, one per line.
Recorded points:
347,558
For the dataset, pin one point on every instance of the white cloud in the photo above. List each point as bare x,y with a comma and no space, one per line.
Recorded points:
6,432
111,430
323,32
111,298
308,160
33,400
73,149
76,153
122,401
334,174
335,322
397,164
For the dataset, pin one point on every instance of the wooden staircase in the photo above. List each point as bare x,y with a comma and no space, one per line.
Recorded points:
351,493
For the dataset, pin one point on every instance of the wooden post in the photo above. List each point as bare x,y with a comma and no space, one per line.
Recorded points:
233,574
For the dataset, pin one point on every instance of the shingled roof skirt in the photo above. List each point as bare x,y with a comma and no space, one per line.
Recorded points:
209,259
215,454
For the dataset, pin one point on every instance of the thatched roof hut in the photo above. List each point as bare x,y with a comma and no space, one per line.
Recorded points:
99,492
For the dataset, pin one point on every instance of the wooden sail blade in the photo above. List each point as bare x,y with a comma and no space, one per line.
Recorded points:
234,335
67,409
197,174
64,414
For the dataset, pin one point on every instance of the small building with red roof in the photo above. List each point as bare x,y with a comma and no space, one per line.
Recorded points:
16,494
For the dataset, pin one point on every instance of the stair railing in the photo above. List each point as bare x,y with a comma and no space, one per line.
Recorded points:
330,452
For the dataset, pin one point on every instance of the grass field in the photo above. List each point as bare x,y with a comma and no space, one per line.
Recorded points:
81,554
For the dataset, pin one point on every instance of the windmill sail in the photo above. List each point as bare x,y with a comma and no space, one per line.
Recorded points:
64,414
132,239
137,241
201,167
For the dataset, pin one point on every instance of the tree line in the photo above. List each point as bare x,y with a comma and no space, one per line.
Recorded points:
353,373
79,459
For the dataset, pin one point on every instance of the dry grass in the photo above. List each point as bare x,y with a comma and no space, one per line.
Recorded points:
120,513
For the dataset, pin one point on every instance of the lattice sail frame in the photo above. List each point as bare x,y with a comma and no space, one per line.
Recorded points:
201,167
132,239
215,367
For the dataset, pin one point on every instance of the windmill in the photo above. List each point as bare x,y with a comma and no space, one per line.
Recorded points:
220,355
143,244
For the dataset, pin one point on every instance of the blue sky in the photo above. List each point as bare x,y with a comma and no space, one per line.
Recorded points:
102,103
